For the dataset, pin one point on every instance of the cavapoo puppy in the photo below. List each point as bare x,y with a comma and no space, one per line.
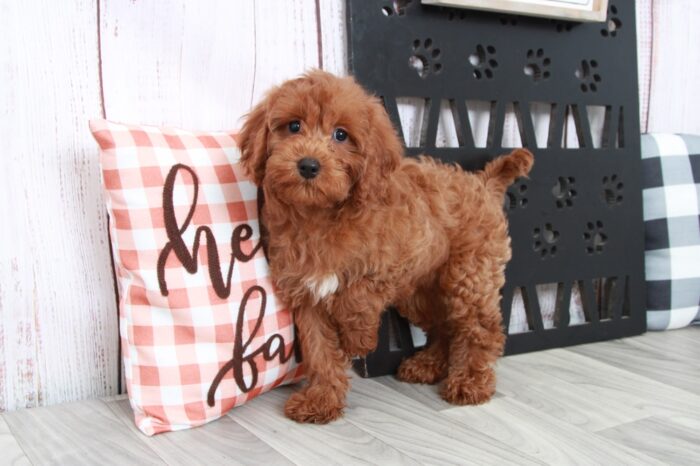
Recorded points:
354,227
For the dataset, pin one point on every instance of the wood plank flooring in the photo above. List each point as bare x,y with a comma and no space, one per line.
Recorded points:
632,401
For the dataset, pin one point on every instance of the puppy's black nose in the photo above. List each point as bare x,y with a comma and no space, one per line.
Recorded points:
308,167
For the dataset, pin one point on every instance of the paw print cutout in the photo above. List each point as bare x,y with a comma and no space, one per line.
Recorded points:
397,7
595,237
612,190
586,73
537,65
564,191
425,59
484,61
453,15
562,26
545,239
613,25
516,196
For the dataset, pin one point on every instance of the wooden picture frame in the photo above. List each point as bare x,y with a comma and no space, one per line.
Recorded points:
572,10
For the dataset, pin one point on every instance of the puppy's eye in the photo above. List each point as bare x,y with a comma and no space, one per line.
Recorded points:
294,126
340,135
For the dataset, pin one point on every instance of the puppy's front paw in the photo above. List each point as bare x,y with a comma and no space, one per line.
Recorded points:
314,406
423,367
469,390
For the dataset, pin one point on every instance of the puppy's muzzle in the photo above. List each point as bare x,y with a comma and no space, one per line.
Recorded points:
308,168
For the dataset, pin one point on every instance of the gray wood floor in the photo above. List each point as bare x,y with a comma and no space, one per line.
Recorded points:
632,401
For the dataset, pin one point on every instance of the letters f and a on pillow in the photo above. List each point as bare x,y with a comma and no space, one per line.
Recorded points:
200,326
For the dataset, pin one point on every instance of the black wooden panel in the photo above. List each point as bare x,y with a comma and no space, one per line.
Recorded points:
578,218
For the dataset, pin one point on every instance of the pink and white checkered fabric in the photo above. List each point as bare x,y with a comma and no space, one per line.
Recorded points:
201,329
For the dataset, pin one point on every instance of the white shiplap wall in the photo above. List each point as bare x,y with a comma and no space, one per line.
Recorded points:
57,322
195,64
673,95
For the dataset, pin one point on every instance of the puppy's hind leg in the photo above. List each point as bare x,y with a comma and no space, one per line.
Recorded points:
474,320
426,310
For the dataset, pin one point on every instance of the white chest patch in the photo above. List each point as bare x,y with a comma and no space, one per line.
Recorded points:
324,286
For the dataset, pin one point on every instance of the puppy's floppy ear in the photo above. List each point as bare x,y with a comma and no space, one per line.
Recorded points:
383,151
253,141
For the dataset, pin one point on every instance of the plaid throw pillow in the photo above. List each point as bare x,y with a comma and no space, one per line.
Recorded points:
671,165
200,327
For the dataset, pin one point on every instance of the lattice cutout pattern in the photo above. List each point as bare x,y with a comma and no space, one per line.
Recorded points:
560,305
473,124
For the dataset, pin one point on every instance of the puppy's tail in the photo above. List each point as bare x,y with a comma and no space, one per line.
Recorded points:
500,173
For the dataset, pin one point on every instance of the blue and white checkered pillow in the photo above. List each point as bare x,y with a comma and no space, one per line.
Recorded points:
671,168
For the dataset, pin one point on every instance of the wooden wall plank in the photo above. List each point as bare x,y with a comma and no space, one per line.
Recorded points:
333,36
675,68
287,42
58,331
645,39
200,65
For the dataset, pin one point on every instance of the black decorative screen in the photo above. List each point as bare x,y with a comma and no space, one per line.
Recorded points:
576,223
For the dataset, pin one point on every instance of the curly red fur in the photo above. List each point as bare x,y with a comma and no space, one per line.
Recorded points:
374,229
